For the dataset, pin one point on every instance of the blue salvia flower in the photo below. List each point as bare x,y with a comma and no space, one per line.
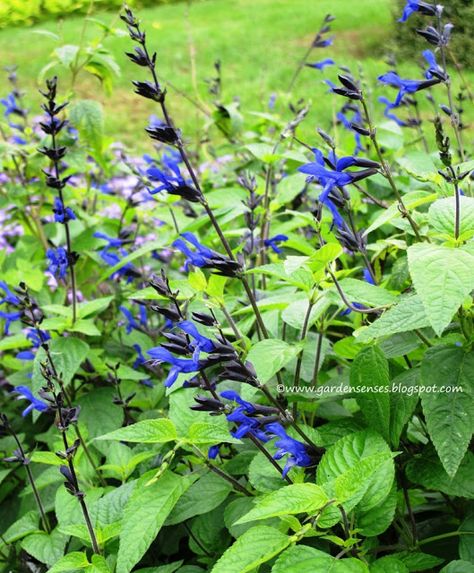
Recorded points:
324,43
200,342
172,181
112,259
34,336
8,296
246,425
406,86
62,214
388,113
434,69
368,276
204,257
10,105
287,446
336,176
322,64
271,101
348,124
178,365
58,262
112,242
24,393
9,318
417,6
132,324
248,407
273,242
140,360
213,452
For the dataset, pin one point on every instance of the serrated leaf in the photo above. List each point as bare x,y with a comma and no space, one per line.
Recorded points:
370,369
458,566
254,547
418,561
448,415
45,547
402,402
70,562
144,514
377,520
289,500
270,356
365,293
357,469
205,433
441,215
157,431
408,314
87,116
305,559
388,565
443,278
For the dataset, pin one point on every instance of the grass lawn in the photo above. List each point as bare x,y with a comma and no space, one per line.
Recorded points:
259,43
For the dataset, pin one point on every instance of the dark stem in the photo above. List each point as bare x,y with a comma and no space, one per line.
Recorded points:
269,457
317,359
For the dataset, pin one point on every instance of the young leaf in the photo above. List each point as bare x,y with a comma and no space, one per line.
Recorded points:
443,278
442,214
270,356
448,415
254,547
144,514
388,565
70,562
289,500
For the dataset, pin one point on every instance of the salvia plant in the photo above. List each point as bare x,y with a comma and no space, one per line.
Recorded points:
254,355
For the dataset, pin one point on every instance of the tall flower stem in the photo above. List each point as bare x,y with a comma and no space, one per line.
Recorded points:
235,484
268,455
26,464
387,172
454,115
68,237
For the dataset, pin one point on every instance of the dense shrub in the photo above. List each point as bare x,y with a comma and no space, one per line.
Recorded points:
250,356
459,12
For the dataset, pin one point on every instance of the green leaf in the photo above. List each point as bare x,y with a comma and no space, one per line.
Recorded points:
441,215
94,306
204,495
24,526
370,369
305,559
420,166
254,547
365,293
459,566
417,561
98,412
289,500
270,356
426,470
67,54
388,565
449,415
157,431
98,565
70,562
145,512
87,117
402,402
408,314
466,542
357,469
205,433
46,548
377,520
67,354
443,278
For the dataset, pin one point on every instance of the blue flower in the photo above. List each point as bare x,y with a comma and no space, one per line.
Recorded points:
178,365
368,277
348,311
296,451
132,324
322,64
8,296
62,214
112,259
213,452
389,106
336,177
10,105
24,393
9,317
172,181
246,425
273,242
58,262
112,242
417,6
348,124
140,360
406,86
200,342
234,396
37,337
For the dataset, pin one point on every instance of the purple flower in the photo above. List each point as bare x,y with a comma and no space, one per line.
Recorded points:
200,342
112,242
296,451
24,393
322,64
273,242
172,181
10,105
62,214
178,365
58,262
